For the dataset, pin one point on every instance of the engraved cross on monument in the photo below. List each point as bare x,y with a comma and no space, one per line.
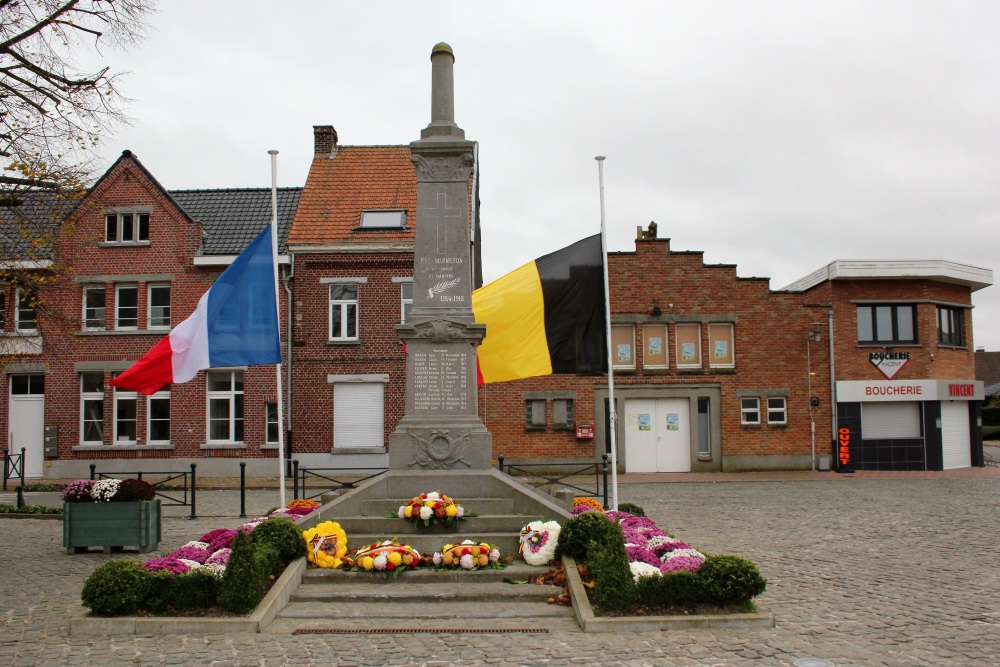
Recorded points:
441,429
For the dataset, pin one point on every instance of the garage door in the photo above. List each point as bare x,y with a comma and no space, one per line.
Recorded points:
956,444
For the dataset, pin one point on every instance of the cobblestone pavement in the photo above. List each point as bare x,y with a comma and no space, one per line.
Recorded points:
861,571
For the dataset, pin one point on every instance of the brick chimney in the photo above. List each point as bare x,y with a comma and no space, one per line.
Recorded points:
325,140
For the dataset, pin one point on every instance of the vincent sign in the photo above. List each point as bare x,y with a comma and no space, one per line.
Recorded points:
889,362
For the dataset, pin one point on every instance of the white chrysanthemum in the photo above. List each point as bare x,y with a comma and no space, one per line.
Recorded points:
437,558
194,544
640,569
104,490
426,513
467,562
192,564
218,569
693,553
494,555
402,512
380,562
540,547
433,495
659,540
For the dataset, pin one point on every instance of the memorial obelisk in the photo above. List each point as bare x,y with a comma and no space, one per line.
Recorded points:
441,429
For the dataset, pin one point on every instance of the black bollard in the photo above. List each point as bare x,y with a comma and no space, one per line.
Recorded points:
604,467
194,491
243,489
20,497
500,462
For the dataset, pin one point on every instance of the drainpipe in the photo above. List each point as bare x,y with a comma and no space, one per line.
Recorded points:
288,338
833,393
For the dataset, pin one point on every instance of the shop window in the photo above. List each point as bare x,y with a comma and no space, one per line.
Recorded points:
887,324
126,403
562,414
126,227
92,408
654,346
93,307
27,311
158,418
158,316
950,329
225,406
750,411
688,345
343,312
405,300
623,346
271,420
127,307
720,346
776,412
534,419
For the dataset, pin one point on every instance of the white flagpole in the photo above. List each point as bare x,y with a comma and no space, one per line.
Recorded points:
277,305
612,413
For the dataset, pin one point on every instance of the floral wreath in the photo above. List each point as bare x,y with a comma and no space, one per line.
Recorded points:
468,555
326,544
387,556
432,508
538,542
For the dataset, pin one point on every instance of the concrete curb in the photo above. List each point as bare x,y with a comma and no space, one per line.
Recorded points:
26,515
588,622
267,610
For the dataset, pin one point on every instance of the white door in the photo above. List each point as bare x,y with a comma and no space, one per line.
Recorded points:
955,439
657,435
27,429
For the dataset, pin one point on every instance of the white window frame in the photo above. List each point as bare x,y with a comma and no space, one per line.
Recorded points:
162,395
271,419
234,397
104,309
653,328
22,293
344,305
119,398
750,405
119,217
91,396
383,219
118,307
730,342
773,410
680,342
149,305
405,302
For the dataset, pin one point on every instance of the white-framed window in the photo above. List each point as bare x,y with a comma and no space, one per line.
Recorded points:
391,219
688,345
27,311
534,414
623,346
158,315
126,227
562,414
93,307
720,346
92,408
158,418
3,307
127,307
405,300
654,347
126,411
225,406
777,411
750,411
271,423
344,311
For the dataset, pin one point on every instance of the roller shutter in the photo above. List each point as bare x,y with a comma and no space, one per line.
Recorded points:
358,414
956,445
891,420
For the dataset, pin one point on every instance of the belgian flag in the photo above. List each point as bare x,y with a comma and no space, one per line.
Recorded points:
546,317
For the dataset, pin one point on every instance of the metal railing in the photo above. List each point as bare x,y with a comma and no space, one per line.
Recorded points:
13,466
164,486
544,471
329,477
988,460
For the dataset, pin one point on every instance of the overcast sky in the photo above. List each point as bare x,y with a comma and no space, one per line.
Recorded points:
778,136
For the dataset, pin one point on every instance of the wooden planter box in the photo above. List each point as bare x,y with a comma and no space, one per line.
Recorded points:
112,526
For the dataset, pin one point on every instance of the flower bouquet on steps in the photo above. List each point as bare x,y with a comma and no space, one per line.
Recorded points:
387,557
434,508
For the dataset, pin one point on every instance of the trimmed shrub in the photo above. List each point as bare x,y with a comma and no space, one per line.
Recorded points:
283,536
991,415
115,588
681,589
730,580
991,432
580,531
159,590
243,582
632,509
195,590
132,490
614,587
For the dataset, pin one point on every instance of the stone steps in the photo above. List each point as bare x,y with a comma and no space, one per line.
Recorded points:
381,507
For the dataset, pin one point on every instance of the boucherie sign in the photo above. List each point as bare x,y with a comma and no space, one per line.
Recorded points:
864,391
889,362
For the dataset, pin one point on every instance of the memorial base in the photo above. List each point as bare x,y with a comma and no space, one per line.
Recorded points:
417,445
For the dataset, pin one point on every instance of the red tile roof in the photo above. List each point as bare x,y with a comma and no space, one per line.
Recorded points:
357,178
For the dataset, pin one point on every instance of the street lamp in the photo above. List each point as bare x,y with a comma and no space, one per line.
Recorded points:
817,337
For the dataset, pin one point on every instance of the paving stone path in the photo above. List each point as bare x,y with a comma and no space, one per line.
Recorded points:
861,571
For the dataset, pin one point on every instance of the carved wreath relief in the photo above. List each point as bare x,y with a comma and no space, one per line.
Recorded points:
439,448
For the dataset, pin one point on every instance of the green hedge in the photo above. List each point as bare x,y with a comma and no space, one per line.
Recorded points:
991,416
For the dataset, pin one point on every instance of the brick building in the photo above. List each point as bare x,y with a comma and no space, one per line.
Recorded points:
717,372
131,261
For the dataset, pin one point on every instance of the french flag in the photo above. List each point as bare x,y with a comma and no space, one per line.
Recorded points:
235,324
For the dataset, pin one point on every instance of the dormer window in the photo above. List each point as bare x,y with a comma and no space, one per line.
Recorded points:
126,227
383,219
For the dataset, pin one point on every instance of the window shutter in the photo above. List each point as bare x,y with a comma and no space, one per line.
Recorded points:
358,414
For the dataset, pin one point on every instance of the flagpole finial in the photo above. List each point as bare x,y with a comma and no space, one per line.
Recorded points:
272,152
600,158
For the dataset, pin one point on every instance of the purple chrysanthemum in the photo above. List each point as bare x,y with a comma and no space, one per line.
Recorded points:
223,540
191,553
172,565
689,563
212,534
638,554
220,557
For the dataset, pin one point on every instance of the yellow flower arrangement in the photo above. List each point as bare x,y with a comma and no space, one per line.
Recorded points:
432,508
326,544
588,502
468,555
387,556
